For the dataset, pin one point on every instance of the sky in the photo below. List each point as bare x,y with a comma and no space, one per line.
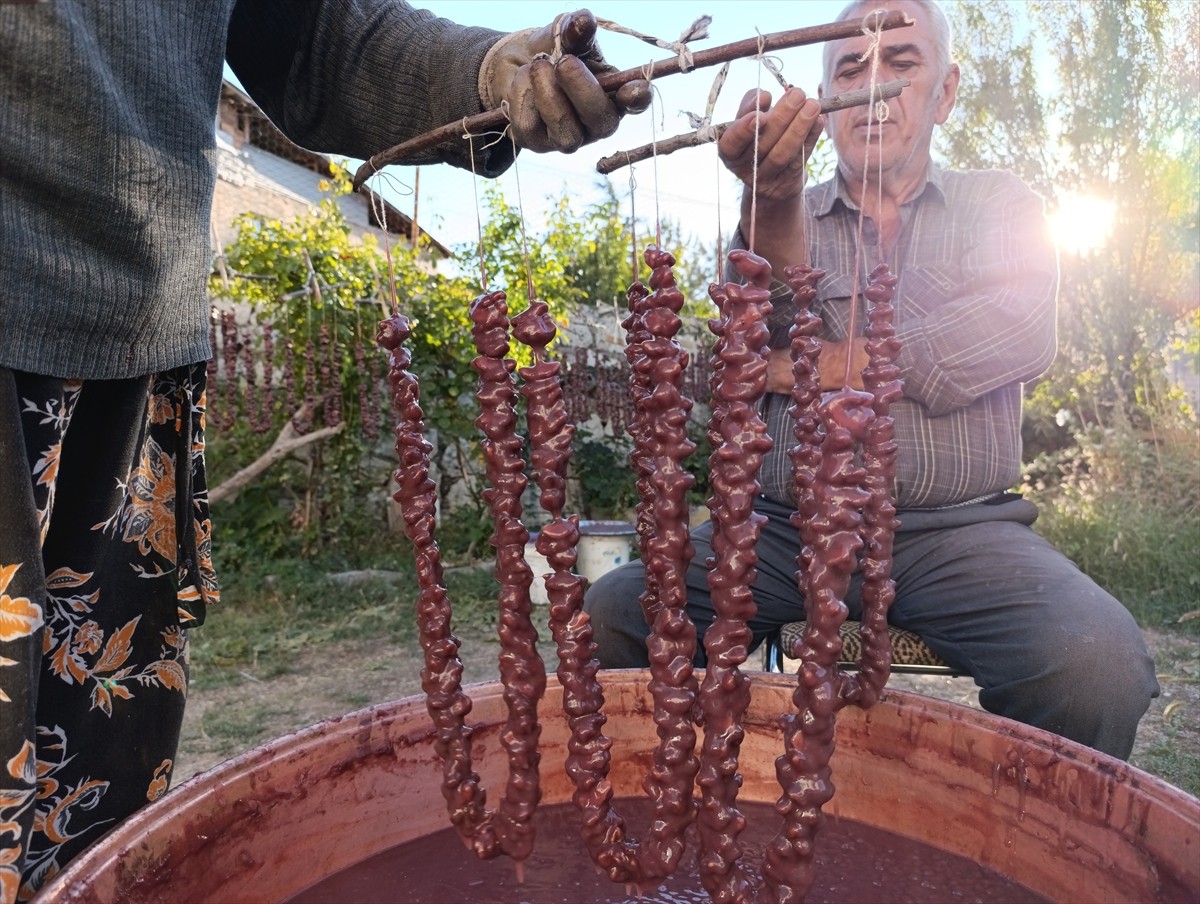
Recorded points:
684,186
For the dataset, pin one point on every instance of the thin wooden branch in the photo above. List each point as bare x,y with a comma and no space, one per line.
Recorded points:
856,98
494,120
308,290
287,442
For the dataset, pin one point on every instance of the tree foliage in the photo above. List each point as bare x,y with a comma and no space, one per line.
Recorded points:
306,279
1096,97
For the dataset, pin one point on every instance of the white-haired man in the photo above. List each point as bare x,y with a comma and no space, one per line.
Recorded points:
975,310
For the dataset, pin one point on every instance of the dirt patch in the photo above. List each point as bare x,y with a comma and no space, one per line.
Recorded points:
231,711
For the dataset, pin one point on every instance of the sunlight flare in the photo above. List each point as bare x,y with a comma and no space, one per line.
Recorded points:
1082,223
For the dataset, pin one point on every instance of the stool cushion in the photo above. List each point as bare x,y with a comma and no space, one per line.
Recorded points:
907,647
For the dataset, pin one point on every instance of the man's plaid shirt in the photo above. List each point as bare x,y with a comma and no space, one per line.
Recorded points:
975,310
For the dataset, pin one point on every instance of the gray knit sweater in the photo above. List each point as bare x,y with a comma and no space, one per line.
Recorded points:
107,156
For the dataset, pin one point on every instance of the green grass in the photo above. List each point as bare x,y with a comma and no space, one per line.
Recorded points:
267,616
1144,556
1175,756
236,727
1126,509
1175,761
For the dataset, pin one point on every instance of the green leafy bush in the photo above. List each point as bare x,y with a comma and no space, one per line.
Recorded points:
1125,507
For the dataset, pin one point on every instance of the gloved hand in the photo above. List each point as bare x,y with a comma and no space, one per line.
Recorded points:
556,105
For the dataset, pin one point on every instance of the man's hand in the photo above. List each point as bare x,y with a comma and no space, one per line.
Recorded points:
831,362
556,105
787,134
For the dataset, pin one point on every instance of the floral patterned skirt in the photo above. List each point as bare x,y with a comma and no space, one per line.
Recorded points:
104,563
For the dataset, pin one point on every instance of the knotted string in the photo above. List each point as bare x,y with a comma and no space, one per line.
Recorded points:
703,125
376,198
775,67
696,31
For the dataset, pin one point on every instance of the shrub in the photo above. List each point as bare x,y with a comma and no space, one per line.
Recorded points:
1126,508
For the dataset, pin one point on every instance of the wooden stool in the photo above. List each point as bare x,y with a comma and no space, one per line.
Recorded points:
909,652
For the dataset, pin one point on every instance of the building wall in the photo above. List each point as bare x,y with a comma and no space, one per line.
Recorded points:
253,179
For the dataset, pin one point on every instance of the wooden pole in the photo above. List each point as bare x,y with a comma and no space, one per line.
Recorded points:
856,98
749,47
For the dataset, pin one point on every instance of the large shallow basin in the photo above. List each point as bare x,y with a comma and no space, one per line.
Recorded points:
1065,821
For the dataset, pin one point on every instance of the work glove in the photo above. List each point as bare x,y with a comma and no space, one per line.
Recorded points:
556,105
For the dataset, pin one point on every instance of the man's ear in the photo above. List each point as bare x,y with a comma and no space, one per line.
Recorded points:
949,94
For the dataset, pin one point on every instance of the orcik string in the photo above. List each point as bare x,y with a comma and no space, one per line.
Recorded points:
381,216
754,164
470,139
875,33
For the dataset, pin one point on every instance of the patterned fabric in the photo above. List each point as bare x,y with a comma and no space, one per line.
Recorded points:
975,309
104,563
908,650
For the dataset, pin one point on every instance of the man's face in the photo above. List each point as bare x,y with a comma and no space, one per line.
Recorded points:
907,52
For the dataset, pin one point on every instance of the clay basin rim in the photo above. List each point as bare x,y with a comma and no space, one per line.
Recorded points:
1059,818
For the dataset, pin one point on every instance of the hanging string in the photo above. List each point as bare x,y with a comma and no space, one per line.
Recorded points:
882,111
648,74
521,214
483,278
754,165
633,222
720,249
470,139
875,34
381,216
707,132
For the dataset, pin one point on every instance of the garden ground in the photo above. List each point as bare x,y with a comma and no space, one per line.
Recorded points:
233,709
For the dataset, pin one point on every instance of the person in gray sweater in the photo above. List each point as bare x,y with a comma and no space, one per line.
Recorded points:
107,169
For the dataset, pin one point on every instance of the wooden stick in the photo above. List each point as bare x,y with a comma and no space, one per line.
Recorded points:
856,98
496,119
287,442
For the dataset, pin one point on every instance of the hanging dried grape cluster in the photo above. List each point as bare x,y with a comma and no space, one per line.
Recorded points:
575,379
229,348
211,390
289,374
249,360
368,390
302,419
331,378
596,384
267,405
252,401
